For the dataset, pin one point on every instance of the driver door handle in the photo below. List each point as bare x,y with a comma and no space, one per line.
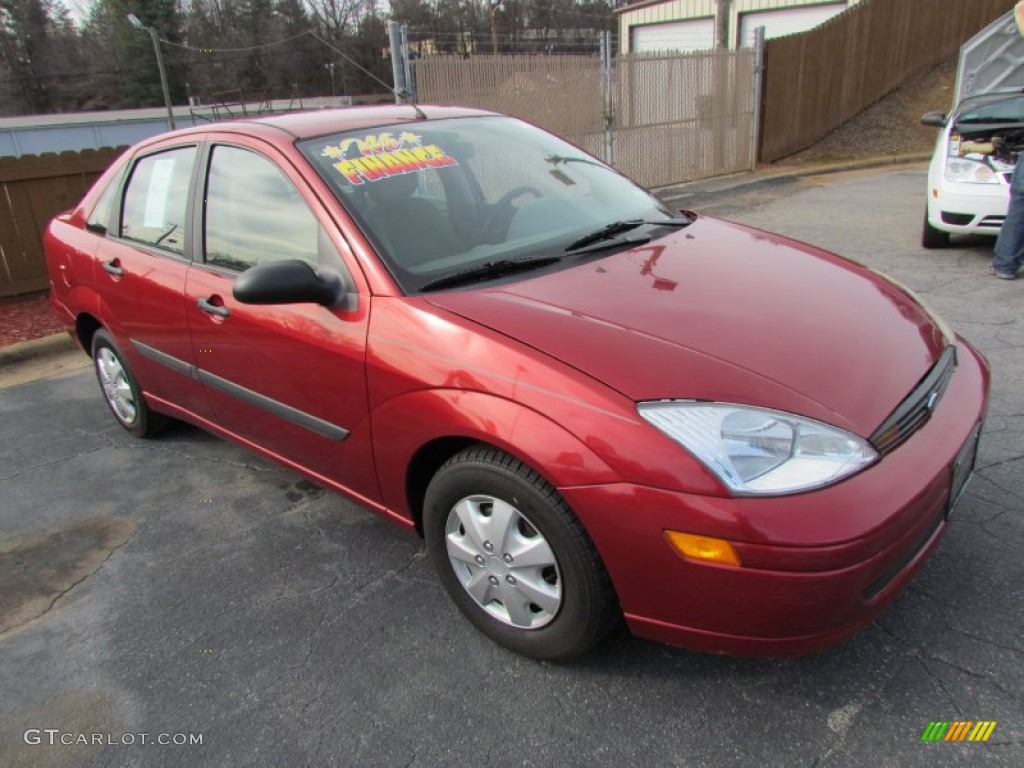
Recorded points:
113,267
207,306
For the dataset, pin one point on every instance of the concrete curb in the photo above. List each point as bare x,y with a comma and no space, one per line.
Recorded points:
707,189
47,346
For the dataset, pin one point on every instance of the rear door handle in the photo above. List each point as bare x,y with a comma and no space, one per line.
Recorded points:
213,309
113,267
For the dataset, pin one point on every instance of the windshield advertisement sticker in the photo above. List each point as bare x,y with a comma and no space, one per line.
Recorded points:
381,155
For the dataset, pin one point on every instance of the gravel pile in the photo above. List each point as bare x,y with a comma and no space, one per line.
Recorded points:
891,126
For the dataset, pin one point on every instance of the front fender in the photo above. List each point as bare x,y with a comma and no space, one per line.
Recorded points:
413,420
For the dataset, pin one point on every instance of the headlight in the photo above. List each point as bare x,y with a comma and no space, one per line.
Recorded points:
757,451
970,171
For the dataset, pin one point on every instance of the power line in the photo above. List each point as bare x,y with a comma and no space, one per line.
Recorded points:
236,50
308,32
351,61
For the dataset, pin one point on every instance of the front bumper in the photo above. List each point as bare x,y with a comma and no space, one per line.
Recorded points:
968,208
816,567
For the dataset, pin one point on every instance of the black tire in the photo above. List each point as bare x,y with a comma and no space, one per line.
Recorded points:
932,237
120,389
587,608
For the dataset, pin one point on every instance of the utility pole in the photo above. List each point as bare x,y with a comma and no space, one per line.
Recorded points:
397,65
722,24
134,21
495,6
329,66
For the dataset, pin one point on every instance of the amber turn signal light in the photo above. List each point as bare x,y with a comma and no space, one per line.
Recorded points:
703,548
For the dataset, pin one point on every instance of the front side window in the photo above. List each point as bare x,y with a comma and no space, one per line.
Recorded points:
442,197
156,199
254,214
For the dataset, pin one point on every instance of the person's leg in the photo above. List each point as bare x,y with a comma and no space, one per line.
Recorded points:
1010,244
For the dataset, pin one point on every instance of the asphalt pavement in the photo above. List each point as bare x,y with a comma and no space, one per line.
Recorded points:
184,589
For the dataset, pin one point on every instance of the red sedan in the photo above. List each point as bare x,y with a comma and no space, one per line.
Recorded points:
591,406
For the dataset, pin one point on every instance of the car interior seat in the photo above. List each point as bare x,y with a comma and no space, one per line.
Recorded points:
412,228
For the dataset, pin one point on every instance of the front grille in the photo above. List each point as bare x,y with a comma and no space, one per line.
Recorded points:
992,221
916,409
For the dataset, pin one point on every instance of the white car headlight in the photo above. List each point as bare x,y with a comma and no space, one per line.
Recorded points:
969,171
757,451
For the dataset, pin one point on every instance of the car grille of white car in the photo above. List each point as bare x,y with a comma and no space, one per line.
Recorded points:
992,221
916,409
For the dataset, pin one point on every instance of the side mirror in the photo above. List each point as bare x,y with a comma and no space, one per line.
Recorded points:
286,282
934,119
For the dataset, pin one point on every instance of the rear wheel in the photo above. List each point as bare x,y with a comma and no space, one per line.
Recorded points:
514,558
932,237
120,389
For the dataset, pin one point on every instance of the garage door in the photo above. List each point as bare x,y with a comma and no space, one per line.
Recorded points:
693,35
785,21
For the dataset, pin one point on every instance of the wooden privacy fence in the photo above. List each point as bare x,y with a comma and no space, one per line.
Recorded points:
32,189
817,80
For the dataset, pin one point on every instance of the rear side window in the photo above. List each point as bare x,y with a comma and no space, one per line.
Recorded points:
156,199
254,214
99,219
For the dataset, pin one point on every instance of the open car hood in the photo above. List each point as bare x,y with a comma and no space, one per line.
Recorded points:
992,60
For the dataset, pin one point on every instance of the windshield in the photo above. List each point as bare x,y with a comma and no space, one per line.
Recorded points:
442,197
1007,110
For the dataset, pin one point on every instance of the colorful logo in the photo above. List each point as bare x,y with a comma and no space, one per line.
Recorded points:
958,730
381,155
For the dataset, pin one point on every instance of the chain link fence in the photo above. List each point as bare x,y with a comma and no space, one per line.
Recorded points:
682,117
661,119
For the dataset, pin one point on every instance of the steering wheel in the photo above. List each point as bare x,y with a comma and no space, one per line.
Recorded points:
502,212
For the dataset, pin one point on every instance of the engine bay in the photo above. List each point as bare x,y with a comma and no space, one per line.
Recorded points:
998,146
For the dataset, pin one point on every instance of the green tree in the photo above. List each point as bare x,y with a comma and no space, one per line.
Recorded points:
129,51
24,52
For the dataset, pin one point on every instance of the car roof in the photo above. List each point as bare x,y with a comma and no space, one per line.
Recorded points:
306,125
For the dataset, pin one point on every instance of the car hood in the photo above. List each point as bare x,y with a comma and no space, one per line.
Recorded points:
987,61
726,313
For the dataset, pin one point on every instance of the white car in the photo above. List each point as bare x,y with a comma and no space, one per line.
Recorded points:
969,176
971,168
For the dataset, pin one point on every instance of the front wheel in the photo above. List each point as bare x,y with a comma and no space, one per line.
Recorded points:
932,237
514,558
120,389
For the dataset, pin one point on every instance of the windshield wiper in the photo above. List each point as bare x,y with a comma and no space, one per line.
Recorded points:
621,227
556,159
491,269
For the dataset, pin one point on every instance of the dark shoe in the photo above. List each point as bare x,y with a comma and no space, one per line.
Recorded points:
1000,274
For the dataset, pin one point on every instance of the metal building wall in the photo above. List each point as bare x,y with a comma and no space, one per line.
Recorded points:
660,11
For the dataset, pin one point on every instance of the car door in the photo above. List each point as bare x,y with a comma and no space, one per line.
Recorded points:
143,262
288,378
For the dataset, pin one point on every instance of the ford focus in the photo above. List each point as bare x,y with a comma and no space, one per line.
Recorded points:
593,408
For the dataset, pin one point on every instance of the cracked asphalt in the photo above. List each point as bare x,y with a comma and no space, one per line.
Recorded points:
181,585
